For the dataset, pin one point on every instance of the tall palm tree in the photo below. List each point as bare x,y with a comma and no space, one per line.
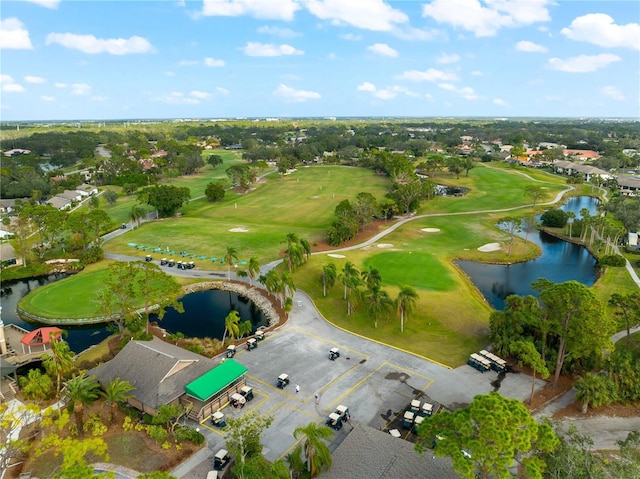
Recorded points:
231,325
306,247
253,269
406,303
348,271
354,294
315,451
136,213
288,286
59,361
272,282
81,391
117,391
378,302
229,257
328,277
371,277
571,216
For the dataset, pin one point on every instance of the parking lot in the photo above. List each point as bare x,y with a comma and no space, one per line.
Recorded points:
375,381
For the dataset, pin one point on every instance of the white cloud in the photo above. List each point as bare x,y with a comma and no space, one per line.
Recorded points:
466,91
583,63
212,62
612,92
256,49
47,98
527,46
499,102
383,49
177,98
599,29
34,79
366,86
80,88
351,37
485,18
278,32
445,59
431,74
53,4
13,36
407,32
224,91
92,45
201,95
373,15
290,94
264,9
8,84
385,94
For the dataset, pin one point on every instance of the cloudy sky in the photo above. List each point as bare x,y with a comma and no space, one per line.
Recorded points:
64,59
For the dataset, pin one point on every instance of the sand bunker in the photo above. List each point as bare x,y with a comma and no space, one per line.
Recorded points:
333,255
385,245
489,247
239,230
431,230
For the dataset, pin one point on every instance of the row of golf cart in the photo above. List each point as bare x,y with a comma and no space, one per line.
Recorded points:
336,418
238,400
414,416
171,263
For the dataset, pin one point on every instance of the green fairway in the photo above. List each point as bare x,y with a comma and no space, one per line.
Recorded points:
420,270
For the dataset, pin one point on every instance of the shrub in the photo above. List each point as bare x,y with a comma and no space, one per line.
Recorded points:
95,425
554,218
157,433
613,260
127,424
92,255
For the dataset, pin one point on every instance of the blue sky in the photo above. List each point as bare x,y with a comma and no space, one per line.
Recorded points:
62,60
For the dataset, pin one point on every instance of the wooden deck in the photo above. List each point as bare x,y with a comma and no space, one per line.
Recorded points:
18,353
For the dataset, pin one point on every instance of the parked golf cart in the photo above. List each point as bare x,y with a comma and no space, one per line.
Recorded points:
334,353
260,334
252,344
282,381
407,419
427,409
417,421
148,258
163,261
171,263
221,459
334,421
414,407
217,419
238,400
247,392
343,412
231,350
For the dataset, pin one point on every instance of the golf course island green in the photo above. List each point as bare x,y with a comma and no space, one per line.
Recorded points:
449,319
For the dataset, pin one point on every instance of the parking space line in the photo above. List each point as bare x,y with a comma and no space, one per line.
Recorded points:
325,340
281,391
355,386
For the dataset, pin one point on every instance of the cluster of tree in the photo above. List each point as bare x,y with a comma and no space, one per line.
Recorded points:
297,252
281,286
566,326
166,199
311,455
365,287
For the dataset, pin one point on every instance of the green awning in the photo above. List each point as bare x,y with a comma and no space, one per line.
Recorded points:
211,383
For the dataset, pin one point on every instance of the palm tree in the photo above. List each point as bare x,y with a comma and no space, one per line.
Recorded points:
272,282
36,385
348,271
571,216
405,303
229,257
136,214
593,390
328,277
354,294
371,277
231,325
253,269
117,391
59,361
316,453
81,390
306,247
288,286
378,301
294,255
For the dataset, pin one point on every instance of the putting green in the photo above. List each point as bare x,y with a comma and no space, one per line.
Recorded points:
420,270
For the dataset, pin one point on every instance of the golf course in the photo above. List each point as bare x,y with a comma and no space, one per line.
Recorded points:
450,319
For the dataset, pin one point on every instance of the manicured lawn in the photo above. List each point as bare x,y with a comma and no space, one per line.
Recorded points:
421,270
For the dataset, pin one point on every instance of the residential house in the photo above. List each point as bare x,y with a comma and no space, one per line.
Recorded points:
633,241
8,255
629,186
569,168
87,190
16,152
4,234
7,206
59,203
581,155
70,195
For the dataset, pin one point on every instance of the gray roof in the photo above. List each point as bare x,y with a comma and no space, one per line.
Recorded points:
7,252
367,453
58,202
629,181
158,370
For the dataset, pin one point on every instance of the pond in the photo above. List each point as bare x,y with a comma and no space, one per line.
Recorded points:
560,261
204,314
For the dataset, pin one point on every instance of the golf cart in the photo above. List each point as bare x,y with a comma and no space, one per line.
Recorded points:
343,412
171,263
283,380
418,420
415,406
334,353
163,261
252,344
247,392
260,334
221,459
334,421
217,419
231,350
147,258
407,420
427,409
238,400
